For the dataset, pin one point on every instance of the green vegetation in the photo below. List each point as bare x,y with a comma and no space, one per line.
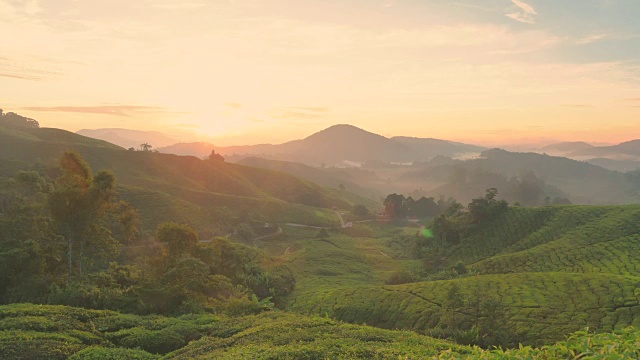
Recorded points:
486,274
212,191
510,276
58,332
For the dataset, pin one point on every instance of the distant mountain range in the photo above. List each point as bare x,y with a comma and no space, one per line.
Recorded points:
565,148
624,151
336,145
130,138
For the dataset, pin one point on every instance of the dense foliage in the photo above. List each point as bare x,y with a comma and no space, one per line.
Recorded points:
59,332
61,242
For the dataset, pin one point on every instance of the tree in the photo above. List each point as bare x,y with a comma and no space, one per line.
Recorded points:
360,210
484,208
181,239
215,156
341,187
451,305
145,147
81,205
12,119
394,206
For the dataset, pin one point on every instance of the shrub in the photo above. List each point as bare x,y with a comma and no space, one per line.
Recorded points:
100,353
401,277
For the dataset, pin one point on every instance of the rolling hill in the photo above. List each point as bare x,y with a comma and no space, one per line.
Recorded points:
204,193
60,332
547,271
564,148
359,181
582,182
623,151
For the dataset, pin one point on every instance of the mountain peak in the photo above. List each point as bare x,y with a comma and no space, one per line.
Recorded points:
343,130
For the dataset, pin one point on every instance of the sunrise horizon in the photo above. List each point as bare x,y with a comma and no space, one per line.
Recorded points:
245,72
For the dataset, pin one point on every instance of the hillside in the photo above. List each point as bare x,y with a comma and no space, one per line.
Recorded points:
582,182
564,148
547,271
59,332
209,188
623,151
359,181
616,165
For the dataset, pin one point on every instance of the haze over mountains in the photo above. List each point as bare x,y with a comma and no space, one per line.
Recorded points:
129,138
372,165
331,146
343,142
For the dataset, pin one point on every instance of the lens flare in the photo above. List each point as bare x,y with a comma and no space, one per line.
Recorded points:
427,233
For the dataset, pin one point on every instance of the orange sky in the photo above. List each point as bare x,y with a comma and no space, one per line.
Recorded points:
248,71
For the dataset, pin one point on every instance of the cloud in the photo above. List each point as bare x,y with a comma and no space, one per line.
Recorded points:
233,105
632,99
522,12
27,69
591,39
117,110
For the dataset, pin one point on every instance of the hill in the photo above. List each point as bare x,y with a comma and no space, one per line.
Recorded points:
129,138
213,189
616,165
624,151
582,182
540,272
565,148
59,332
358,181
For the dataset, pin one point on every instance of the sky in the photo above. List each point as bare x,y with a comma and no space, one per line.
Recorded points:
247,71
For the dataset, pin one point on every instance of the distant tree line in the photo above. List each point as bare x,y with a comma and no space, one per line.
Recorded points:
14,120
397,206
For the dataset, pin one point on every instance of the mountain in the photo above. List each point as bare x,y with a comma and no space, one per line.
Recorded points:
347,144
623,151
565,148
429,148
129,138
197,149
616,165
333,145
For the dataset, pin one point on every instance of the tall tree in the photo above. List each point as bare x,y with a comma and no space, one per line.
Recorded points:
81,205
